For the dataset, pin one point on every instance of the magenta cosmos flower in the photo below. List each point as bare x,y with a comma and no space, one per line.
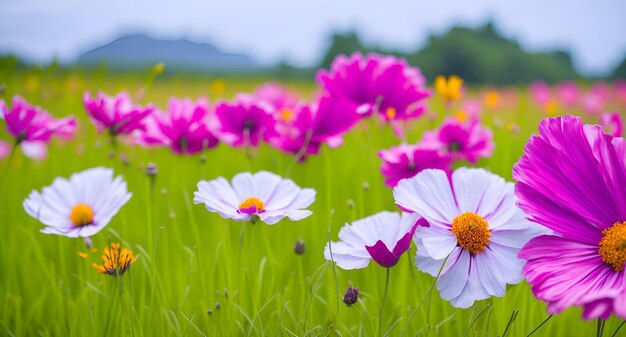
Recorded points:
27,123
305,128
116,114
571,180
245,122
612,123
461,140
376,84
405,161
382,237
184,128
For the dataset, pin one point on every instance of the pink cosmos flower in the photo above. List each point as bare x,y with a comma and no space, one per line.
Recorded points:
461,140
245,122
116,114
405,161
593,103
568,93
571,180
276,95
376,84
184,128
33,124
541,92
612,123
473,108
312,125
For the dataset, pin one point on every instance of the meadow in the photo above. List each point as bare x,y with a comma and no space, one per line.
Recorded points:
200,275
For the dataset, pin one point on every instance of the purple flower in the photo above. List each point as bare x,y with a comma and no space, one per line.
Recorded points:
405,161
310,126
245,121
184,128
612,123
27,123
461,140
376,84
571,180
116,114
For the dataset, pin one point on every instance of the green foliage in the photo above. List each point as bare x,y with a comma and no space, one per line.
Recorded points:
190,260
477,55
620,70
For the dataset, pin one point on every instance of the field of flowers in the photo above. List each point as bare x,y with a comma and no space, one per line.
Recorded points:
187,253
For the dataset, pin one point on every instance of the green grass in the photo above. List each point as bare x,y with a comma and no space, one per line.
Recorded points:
190,260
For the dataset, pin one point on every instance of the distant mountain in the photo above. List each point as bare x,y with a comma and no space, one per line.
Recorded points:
134,51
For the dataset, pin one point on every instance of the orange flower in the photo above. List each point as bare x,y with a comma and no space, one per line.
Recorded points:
115,262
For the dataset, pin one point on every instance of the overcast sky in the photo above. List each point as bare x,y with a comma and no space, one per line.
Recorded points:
297,30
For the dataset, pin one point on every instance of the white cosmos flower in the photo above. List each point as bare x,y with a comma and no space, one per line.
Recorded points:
80,206
263,195
382,237
475,221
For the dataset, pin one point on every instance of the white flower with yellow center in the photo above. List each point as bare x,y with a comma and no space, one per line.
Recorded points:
474,223
80,206
261,196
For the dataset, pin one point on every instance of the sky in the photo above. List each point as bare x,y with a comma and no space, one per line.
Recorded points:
594,31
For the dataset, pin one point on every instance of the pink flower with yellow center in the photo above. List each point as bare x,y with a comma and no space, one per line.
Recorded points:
571,180
261,196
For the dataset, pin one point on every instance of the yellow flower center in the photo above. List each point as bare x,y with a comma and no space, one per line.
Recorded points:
82,215
286,115
472,232
258,204
391,112
612,247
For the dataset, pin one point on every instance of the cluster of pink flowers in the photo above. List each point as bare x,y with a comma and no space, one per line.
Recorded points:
453,141
600,100
355,87
32,128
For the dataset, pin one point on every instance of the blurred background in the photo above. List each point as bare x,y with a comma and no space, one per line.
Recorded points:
488,42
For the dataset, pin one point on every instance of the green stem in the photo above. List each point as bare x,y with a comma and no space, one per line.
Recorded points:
600,327
427,295
9,162
113,297
617,330
539,326
382,305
